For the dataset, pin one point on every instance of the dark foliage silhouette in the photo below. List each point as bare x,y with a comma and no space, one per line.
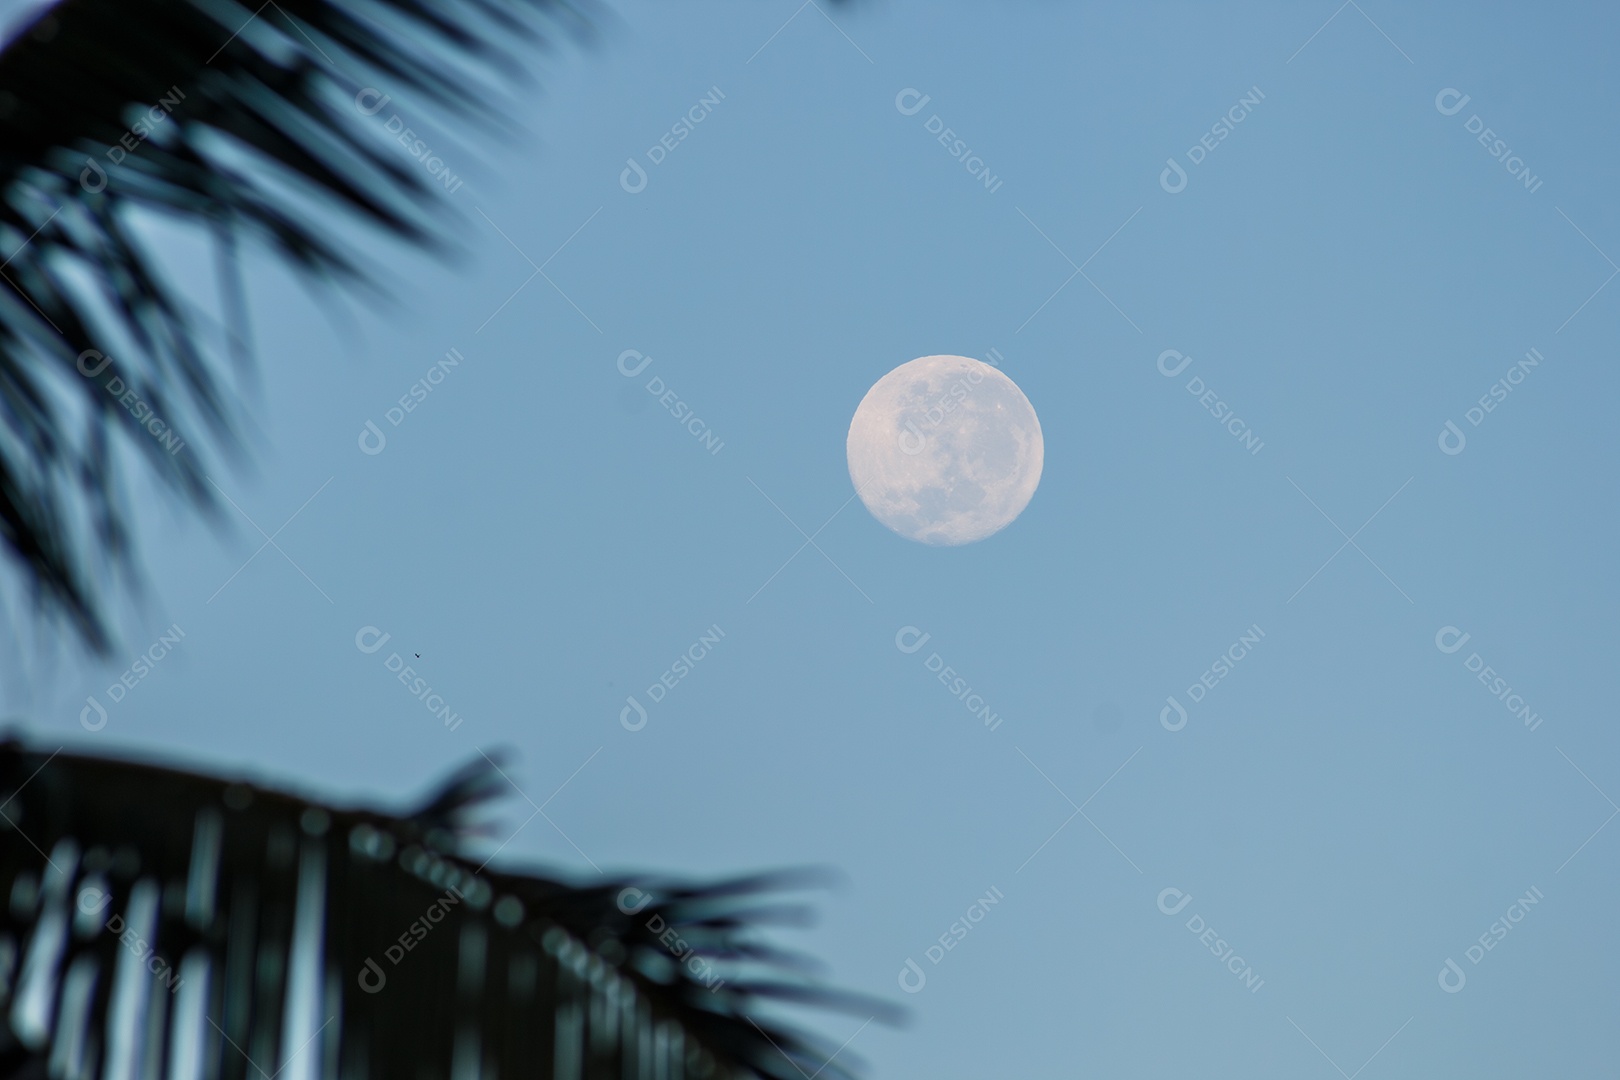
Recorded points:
152,914
247,121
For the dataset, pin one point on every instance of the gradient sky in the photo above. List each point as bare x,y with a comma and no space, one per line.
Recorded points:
1349,269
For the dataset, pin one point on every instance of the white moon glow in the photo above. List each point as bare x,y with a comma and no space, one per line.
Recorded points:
945,450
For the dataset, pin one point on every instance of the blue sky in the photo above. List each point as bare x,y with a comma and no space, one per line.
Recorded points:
1348,269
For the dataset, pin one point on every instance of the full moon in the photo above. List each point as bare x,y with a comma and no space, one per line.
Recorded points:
945,450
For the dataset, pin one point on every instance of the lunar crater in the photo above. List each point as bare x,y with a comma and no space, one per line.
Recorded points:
945,450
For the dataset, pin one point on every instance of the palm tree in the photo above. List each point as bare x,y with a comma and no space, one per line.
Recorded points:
160,923
157,923
251,119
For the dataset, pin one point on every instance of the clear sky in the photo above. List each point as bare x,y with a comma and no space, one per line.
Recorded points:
1347,268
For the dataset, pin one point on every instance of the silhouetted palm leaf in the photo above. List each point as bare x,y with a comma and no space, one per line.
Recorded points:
241,117
157,923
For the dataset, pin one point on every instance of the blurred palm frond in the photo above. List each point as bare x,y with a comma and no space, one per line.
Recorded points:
250,119
156,923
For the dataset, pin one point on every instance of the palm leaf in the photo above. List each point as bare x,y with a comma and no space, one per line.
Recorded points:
247,119
154,920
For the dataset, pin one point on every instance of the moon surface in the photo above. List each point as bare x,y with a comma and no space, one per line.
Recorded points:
945,450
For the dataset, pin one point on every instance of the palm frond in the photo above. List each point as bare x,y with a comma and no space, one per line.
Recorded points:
250,119
150,917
